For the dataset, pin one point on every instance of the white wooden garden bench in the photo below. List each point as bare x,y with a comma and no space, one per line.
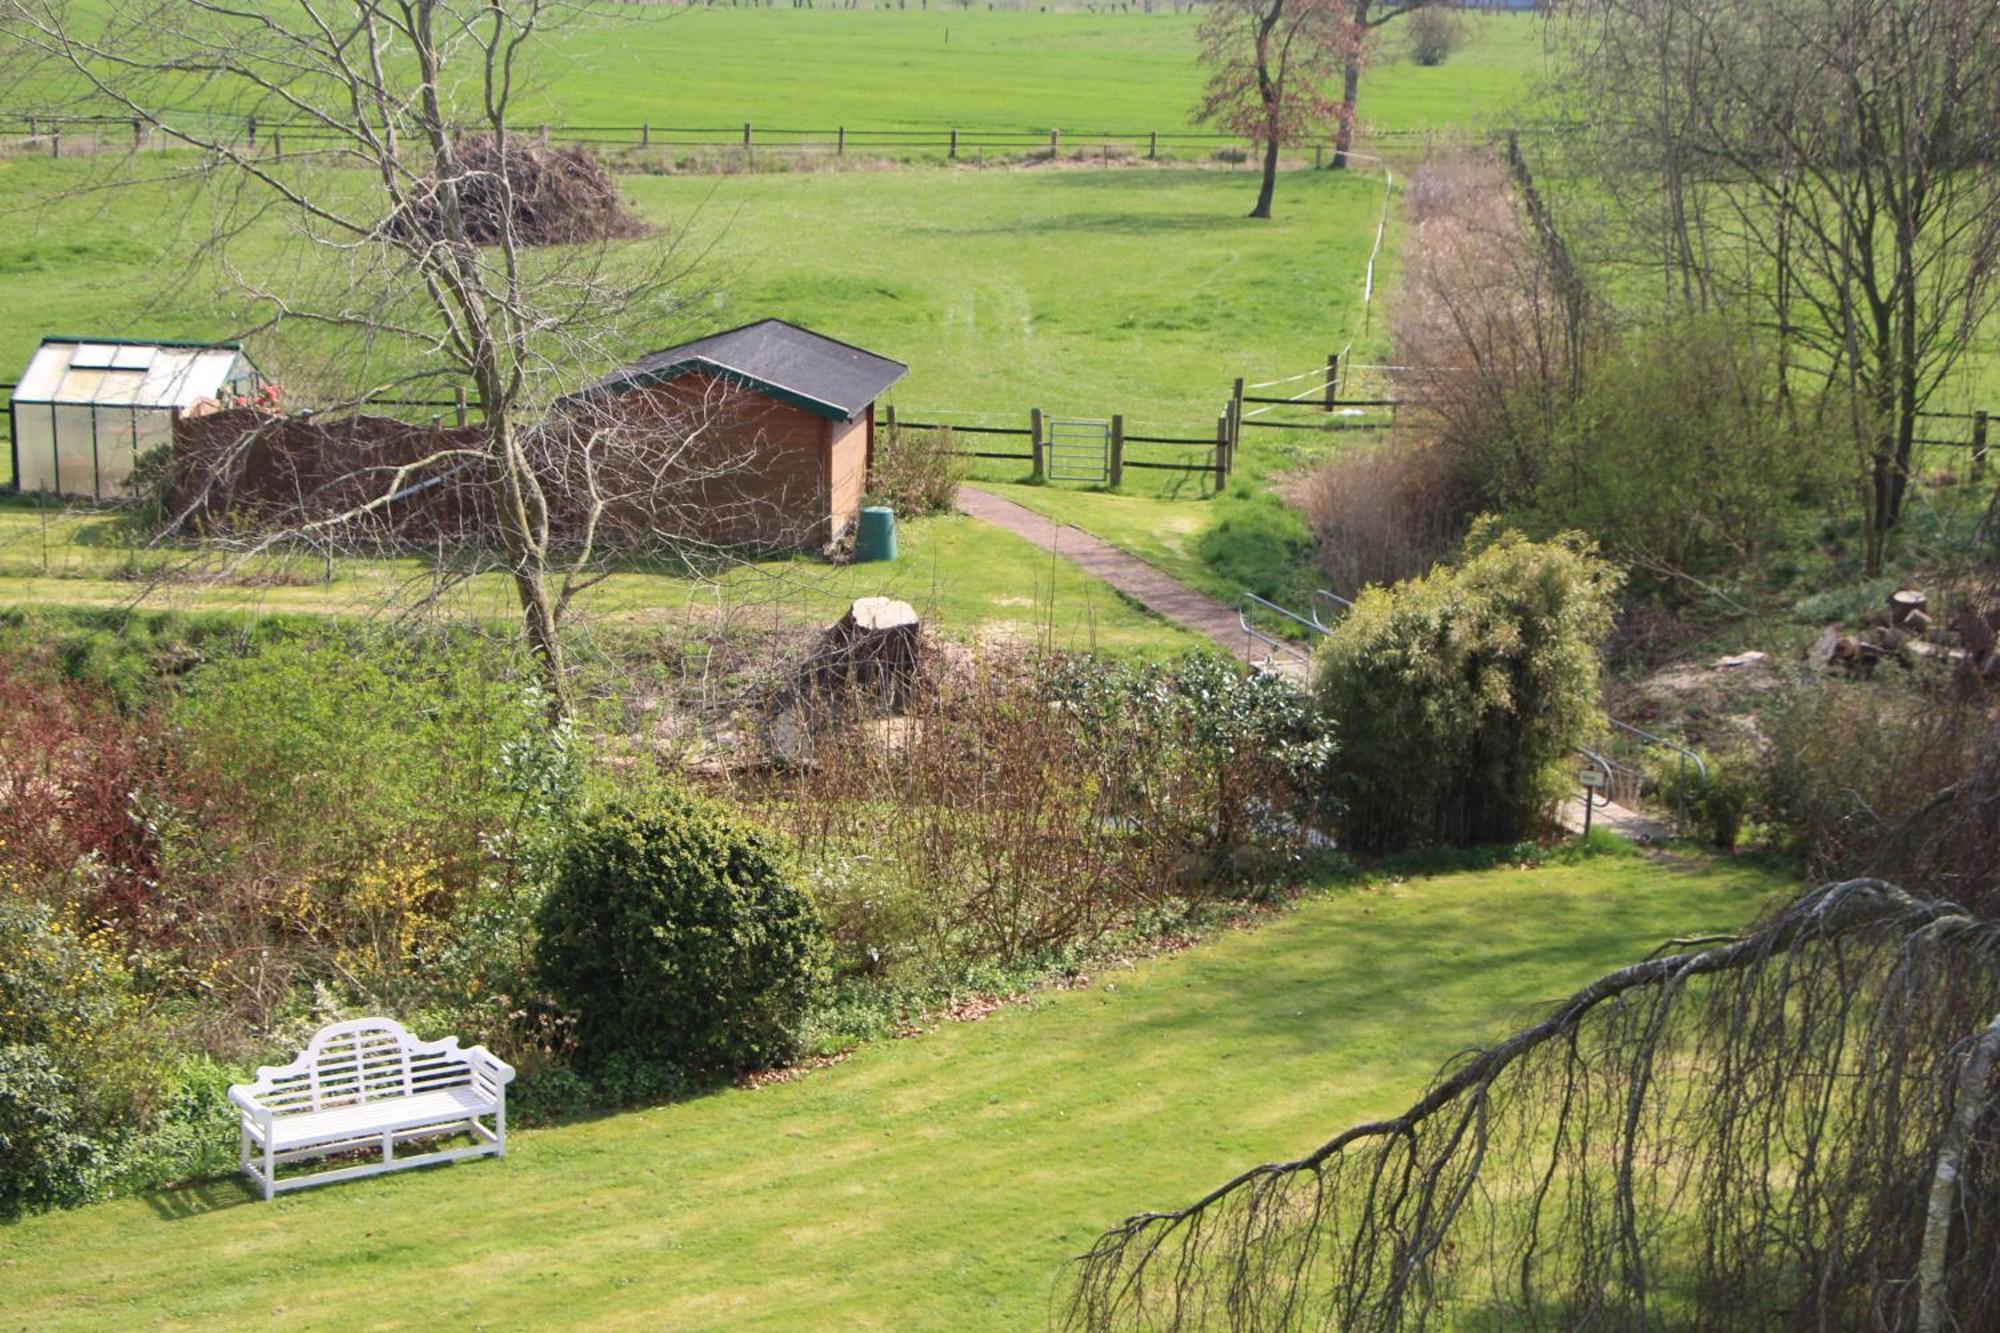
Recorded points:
365,1086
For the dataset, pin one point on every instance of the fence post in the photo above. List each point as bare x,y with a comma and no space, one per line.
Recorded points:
892,418
458,403
1035,443
55,141
1979,446
1055,142
138,133
1332,381
954,144
646,134
840,144
1316,153
746,134
277,145
1153,146
250,125
1117,451
1221,452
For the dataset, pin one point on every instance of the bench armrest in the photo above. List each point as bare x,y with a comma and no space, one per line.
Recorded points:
489,1066
244,1097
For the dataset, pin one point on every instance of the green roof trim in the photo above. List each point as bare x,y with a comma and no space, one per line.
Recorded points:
229,346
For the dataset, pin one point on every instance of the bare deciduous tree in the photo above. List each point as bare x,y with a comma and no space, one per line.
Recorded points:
1829,167
409,259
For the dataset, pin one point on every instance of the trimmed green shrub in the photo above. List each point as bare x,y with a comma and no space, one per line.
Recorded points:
1458,699
675,933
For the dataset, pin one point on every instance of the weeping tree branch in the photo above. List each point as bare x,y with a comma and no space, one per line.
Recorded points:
1750,1127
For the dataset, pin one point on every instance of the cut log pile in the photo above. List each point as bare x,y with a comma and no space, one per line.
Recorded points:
1907,631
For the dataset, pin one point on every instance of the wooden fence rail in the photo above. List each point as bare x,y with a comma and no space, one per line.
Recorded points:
1116,461
277,137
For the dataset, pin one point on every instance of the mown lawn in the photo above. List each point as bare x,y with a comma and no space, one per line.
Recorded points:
930,1183
970,581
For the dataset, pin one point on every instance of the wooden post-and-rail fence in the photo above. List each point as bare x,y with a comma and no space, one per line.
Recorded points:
275,137
1117,457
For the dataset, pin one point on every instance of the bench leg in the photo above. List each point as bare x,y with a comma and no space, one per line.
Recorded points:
388,1149
500,1127
270,1168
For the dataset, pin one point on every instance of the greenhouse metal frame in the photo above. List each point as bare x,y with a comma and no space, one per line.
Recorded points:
87,409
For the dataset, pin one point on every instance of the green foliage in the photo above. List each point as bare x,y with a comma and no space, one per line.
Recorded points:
343,797
1679,453
1201,754
1724,803
677,934
1459,699
82,1059
1717,803
47,1159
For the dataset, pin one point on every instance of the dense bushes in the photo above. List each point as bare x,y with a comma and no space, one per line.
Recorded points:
1031,807
678,935
1679,456
343,801
915,472
1459,699
83,1067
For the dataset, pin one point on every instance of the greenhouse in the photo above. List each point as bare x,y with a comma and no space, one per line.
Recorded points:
87,409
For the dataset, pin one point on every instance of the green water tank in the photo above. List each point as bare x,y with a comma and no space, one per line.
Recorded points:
875,538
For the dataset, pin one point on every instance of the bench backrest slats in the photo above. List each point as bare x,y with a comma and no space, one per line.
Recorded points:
368,1060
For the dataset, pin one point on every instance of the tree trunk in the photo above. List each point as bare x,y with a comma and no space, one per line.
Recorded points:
1350,94
1270,185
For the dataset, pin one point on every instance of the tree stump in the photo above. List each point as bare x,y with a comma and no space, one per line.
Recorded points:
1902,604
876,649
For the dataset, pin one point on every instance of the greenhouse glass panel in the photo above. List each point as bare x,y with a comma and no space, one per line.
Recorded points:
35,448
114,450
153,430
76,455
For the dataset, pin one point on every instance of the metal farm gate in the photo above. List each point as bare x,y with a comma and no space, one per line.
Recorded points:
1078,450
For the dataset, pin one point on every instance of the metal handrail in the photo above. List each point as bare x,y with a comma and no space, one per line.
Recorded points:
1251,632
1600,796
1611,767
1320,595
1701,766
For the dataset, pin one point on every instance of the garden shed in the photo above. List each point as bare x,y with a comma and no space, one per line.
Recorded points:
797,406
86,409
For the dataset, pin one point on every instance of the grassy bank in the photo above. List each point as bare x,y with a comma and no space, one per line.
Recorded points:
932,1183
969,580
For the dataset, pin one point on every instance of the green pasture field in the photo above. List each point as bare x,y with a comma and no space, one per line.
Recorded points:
933,1183
971,581
943,67
1084,291
605,68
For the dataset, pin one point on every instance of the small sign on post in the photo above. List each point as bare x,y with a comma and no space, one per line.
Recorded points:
1593,782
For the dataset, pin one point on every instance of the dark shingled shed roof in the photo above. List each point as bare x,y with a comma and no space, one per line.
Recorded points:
808,370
